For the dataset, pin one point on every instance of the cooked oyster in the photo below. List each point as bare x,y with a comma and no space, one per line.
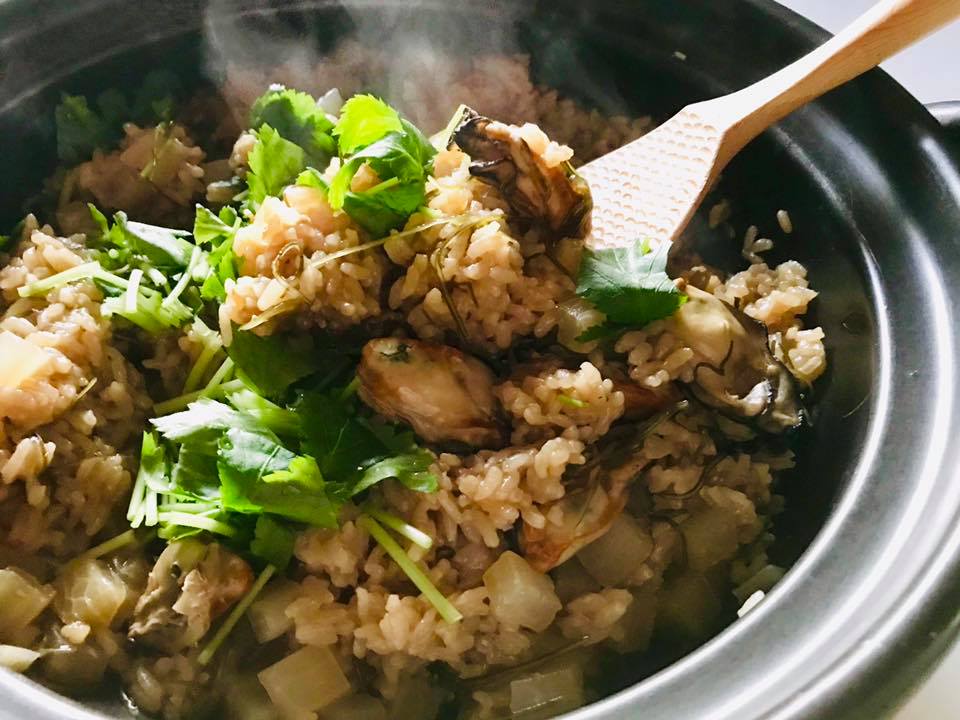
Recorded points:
596,494
737,373
555,197
442,393
190,585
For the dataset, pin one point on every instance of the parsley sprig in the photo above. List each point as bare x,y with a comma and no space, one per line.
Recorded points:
629,285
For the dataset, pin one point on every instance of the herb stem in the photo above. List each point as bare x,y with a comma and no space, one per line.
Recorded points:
135,508
195,508
87,271
401,527
200,367
571,401
330,257
218,377
132,297
108,546
386,184
184,280
179,403
200,522
206,655
150,513
350,389
419,578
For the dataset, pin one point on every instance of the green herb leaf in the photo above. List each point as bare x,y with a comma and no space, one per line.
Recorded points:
364,119
80,130
629,285
202,423
355,454
298,118
380,213
335,436
311,177
411,469
152,474
210,229
274,362
194,475
218,231
164,247
244,457
303,471
270,415
372,133
396,155
159,246
259,475
274,164
155,97
272,542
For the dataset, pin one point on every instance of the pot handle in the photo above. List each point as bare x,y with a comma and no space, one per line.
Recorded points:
948,115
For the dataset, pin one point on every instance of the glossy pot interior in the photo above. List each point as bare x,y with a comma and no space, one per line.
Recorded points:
875,199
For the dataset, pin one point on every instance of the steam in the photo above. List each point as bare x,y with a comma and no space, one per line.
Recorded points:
421,56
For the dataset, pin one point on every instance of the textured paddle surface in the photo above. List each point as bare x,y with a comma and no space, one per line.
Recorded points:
652,186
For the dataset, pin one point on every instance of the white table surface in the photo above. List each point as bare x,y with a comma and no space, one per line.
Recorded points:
931,71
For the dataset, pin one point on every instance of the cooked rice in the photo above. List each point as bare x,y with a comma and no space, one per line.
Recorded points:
785,221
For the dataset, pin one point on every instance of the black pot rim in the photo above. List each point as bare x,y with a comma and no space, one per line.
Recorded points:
880,636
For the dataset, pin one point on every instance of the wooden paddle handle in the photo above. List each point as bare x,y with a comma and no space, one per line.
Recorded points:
882,31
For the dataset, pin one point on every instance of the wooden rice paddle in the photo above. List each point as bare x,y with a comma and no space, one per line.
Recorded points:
652,186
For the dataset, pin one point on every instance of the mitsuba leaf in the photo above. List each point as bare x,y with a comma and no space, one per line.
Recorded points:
218,231
334,435
372,133
270,415
244,458
396,155
354,454
258,475
364,119
381,212
194,475
202,423
165,248
411,469
211,229
274,362
296,117
272,542
629,285
81,128
274,163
